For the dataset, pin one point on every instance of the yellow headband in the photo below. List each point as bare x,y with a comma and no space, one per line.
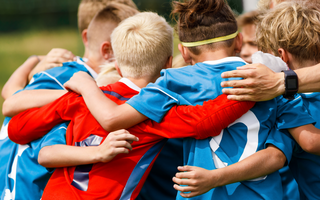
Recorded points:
213,40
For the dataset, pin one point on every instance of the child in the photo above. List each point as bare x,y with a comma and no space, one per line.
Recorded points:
247,25
211,53
144,35
20,160
298,45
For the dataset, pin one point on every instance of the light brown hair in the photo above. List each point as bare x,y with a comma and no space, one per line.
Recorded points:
89,8
293,26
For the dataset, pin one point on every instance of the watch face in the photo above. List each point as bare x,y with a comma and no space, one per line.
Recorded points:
292,83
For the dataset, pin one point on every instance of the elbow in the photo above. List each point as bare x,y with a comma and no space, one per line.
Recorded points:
278,159
5,109
43,157
109,121
311,145
4,93
8,108
108,124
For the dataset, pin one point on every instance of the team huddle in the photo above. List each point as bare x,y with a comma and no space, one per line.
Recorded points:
122,123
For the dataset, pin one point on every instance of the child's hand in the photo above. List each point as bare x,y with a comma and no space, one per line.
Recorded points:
80,81
116,142
54,58
196,181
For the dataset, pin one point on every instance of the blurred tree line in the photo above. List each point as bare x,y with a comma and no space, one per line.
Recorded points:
22,15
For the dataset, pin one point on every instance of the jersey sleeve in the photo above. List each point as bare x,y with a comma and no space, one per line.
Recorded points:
57,135
36,122
155,100
283,141
44,80
292,113
198,121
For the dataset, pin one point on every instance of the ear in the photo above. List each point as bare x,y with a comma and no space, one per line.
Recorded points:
106,50
169,63
238,43
84,37
284,55
117,68
185,53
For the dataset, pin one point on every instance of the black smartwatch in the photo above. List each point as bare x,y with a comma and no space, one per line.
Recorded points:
291,84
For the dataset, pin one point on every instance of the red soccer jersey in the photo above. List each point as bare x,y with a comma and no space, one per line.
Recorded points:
123,177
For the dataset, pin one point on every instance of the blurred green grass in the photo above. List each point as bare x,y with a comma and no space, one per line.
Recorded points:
15,48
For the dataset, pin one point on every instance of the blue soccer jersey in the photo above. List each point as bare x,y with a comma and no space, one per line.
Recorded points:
305,166
250,133
21,176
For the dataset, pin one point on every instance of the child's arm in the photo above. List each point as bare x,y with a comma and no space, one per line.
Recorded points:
36,122
27,99
308,137
64,155
197,121
109,115
19,79
199,180
112,116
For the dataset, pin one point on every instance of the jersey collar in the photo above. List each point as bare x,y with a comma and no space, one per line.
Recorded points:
130,84
223,60
83,62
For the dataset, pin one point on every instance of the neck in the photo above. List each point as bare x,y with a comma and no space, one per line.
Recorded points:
94,65
212,55
142,82
297,65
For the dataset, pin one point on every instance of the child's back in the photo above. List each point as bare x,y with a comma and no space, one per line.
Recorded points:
298,45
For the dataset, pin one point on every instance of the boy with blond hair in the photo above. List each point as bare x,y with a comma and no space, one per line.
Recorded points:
298,45
148,37
20,170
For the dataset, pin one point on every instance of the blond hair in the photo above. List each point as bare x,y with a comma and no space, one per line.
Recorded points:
107,75
293,26
89,8
142,45
104,22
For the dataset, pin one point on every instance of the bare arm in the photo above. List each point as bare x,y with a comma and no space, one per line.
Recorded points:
19,79
199,180
64,155
109,115
261,83
308,137
29,99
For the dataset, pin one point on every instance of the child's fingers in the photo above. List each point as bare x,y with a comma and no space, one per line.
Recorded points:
182,181
124,135
185,168
122,143
120,150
